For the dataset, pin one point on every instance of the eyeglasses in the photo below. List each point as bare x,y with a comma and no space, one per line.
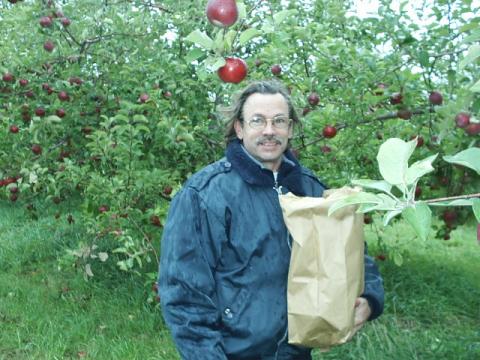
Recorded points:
280,122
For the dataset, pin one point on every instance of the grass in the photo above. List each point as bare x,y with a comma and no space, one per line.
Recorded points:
432,301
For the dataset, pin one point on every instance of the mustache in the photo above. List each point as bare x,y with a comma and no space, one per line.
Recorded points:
264,139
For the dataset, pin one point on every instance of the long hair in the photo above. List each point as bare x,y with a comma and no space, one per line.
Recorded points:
261,87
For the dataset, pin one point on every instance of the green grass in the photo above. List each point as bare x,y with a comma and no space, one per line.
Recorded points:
432,301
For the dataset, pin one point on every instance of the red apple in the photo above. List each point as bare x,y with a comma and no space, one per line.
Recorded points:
473,129
234,71
325,149
29,94
63,96
49,46
167,190
143,98
462,120
36,149
418,192
449,216
329,131
45,21
60,113
14,190
396,98
305,111
155,220
381,257
420,140
40,112
276,69
65,22
75,80
14,129
23,82
222,13
313,99
7,77
103,208
404,114
435,98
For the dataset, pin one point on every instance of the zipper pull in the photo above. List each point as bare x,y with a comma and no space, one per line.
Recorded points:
277,188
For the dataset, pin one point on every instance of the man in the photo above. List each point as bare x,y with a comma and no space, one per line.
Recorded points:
226,250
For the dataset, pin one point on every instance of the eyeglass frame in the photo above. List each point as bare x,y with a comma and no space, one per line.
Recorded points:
265,122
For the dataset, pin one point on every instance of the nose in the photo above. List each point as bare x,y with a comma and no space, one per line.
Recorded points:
269,128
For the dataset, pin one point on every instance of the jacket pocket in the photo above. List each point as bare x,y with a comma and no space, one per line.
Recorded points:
233,302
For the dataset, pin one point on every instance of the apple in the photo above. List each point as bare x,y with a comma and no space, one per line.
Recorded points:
167,94
65,22
276,69
63,96
381,257
40,112
234,71
143,98
396,98
258,62
23,82
49,46
7,77
75,80
462,120
404,114
45,21
14,129
305,111
155,220
36,149
13,197
420,140
435,98
222,13
329,131
449,216
325,149
167,190
60,113
367,219
103,208
14,190
313,99
155,287
29,94
418,191
45,86
473,129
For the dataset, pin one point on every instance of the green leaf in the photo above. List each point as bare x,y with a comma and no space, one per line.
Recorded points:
194,54
458,202
213,63
469,158
397,258
280,16
473,53
475,87
393,158
267,27
249,34
373,184
423,58
476,208
419,217
201,39
355,199
419,168
242,10
390,215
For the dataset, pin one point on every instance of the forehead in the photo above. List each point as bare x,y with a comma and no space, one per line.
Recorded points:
265,104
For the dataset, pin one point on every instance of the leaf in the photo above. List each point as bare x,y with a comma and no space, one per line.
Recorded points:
469,158
194,54
248,34
280,16
213,63
459,202
103,256
390,215
397,258
88,270
473,53
373,184
267,27
242,10
420,168
475,87
393,158
201,39
419,217
355,199
476,208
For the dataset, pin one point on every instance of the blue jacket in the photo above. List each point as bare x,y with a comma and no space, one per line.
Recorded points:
225,256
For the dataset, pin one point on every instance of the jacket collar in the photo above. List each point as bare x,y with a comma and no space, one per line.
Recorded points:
254,173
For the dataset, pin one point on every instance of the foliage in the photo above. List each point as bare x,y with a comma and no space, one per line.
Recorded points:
133,105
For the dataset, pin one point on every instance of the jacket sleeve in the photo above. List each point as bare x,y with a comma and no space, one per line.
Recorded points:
373,290
186,278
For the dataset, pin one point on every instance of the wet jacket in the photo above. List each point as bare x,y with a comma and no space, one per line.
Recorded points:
225,256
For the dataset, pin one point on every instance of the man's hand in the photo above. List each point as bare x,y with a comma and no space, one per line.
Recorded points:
362,313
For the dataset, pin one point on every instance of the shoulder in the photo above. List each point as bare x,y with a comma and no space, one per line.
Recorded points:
312,183
201,179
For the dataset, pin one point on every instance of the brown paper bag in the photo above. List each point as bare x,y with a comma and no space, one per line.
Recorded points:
326,272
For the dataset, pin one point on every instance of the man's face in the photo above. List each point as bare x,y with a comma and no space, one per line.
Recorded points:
268,143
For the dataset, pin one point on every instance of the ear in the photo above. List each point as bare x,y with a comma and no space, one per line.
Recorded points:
238,129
